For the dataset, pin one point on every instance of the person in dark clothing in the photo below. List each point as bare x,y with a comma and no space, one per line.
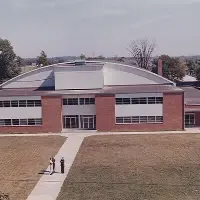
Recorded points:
54,163
62,165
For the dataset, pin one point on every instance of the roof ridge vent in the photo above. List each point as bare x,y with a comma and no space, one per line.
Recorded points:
79,62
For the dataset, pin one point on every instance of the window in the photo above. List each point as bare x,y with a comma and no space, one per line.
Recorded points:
14,104
38,121
30,103
7,122
15,122
189,119
159,100
6,103
2,122
151,100
1,103
136,120
20,122
127,120
23,122
143,100
22,103
135,100
126,101
119,120
38,103
87,101
143,119
139,119
151,119
119,101
71,101
159,119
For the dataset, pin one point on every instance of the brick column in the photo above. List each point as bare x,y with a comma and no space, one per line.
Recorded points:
173,111
52,113
105,112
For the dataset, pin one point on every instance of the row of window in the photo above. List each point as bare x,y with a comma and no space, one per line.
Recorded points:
79,101
21,103
139,119
20,122
141,100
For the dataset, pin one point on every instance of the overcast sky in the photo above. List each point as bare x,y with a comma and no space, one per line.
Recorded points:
105,27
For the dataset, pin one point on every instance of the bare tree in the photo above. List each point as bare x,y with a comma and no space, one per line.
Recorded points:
142,50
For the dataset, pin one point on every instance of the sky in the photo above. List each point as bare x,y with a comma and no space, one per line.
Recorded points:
100,27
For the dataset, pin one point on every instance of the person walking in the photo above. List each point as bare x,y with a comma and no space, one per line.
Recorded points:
54,163
62,165
50,164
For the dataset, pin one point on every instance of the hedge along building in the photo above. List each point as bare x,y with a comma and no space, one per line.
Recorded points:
90,95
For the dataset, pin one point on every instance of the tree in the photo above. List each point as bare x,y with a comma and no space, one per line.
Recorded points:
142,50
173,68
42,59
9,62
197,73
192,67
82,57
4,196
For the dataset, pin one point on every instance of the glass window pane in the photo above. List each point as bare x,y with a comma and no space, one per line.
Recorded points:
30,103
151,100
143,119
38,103
38,121
143,100
1,104
92,100
119,120
23,122
159,119
87,101
7,122
15,122
126,100
6,103
22,103
2,122
159,100
127,120
151,119
31,121
135,119
82,101
64,101
118,101
14,103
135,101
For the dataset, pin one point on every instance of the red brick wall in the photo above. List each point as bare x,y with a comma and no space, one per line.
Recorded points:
173,115
51,116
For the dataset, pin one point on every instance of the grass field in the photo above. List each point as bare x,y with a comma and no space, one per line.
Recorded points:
135,167
21,159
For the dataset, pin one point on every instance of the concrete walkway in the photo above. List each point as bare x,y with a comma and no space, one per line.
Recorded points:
49,186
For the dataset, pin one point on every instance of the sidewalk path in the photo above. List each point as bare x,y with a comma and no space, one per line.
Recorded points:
49,186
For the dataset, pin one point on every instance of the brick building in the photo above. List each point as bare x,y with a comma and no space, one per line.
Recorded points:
92,95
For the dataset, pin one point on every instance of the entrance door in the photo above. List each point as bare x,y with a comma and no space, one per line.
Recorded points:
88,122
70,121
189,120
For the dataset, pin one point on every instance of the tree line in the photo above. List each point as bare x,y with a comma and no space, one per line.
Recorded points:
141,51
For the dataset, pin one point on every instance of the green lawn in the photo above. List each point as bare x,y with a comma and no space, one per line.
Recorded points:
135,167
